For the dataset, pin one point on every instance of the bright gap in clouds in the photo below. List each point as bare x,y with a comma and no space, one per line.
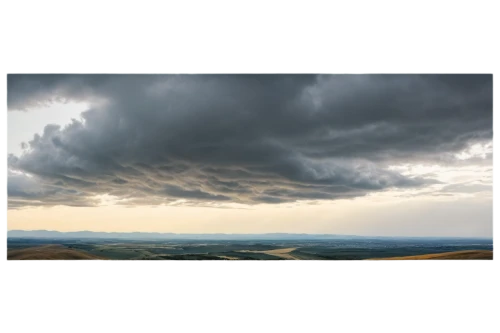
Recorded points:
22,125
476,150
458,181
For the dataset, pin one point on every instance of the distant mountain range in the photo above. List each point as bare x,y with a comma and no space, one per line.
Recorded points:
172,236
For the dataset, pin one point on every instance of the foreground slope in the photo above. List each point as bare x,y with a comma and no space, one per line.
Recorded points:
457,255
49,252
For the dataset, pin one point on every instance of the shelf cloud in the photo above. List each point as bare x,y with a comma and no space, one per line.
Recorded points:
247,139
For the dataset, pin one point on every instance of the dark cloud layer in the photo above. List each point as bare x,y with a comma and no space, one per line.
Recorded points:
155,139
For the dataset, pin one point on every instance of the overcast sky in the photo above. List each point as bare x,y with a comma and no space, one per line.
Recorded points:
407,155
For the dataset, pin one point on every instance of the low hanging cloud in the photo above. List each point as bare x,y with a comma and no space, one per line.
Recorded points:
249,139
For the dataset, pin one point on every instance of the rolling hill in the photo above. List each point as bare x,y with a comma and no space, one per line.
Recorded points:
457,255
49,252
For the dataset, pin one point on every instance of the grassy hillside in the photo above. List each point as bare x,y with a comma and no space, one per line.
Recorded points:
457,255
49,252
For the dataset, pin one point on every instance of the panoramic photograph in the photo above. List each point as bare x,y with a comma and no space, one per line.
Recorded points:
250,166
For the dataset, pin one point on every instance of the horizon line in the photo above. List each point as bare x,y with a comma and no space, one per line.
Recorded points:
243,234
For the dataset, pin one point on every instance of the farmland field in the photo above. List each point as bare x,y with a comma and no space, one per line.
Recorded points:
348,249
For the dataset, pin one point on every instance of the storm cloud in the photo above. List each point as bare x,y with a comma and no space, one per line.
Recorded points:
249,139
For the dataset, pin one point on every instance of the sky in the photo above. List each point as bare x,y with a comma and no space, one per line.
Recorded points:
384,155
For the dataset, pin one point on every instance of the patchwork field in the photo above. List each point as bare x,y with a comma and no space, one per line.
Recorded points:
391,249
280,253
